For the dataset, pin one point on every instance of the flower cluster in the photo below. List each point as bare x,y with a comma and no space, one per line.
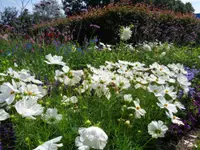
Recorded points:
163,81
191,119
22,90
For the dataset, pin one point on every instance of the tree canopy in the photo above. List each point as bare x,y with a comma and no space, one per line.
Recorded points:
75,6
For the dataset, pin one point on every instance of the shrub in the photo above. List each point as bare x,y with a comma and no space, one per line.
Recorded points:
149,24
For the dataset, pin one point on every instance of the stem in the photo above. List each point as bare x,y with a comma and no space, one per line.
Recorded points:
147,143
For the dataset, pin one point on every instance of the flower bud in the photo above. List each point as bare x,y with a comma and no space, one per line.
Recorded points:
127,122
88,122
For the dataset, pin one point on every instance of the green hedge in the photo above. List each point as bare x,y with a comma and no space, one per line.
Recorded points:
150,24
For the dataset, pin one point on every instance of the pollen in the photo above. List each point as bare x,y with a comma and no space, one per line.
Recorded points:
30,93
12,92
138,107
165,105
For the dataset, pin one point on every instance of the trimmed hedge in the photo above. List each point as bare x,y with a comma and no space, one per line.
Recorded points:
150,24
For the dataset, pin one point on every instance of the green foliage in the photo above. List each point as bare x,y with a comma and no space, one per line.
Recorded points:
100,111
149,25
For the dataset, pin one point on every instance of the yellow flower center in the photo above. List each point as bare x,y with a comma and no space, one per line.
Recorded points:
30,93
165,105
138,107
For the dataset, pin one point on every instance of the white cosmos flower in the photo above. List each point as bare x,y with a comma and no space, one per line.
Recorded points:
92,137
157,90
8,91
50,145
128,98
184,83
122,82
138,110
179,105
32,90
126,33
54,60
174,119
73,77
170,91
183,80
72,99
157,129
167,105
3,115
29,108
25,76
52,116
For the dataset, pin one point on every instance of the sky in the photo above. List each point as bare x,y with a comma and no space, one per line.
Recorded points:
16,3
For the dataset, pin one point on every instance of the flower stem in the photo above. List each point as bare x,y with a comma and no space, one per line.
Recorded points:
147,143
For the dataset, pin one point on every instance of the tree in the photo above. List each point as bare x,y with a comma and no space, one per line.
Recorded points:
24,21
71,7
175,5
189,8
8,16
47,9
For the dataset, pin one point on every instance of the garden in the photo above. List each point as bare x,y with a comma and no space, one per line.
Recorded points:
120,77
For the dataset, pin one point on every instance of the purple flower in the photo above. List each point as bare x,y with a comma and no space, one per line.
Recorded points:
7,136
191,92
191,73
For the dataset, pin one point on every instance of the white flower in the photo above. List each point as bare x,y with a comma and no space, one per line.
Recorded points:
93,137
126,33
54,60
157,90
184,83
73,77
138,110
166,104
52,116
32,90
157,129
25,76
174,119
146,47
15,64
50,145
72,99
7,92
29,108
183,80
162,54
101,89
80,145
179,105
3,115
170,91
128,98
